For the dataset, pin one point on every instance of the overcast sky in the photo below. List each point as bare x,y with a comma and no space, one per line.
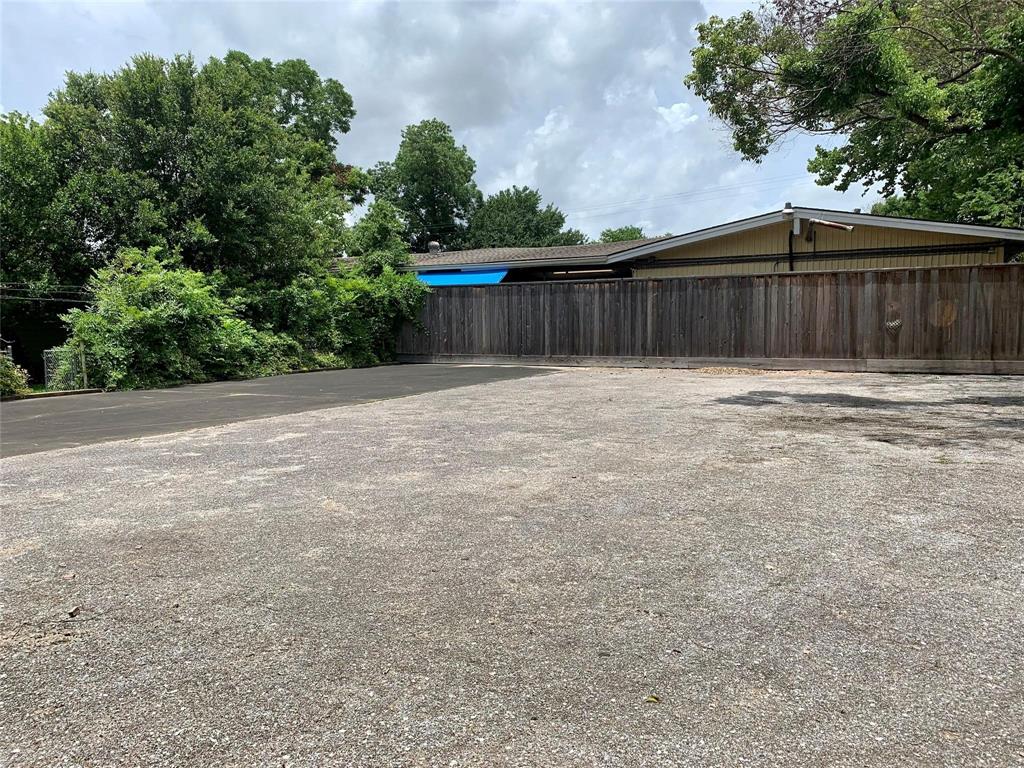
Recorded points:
584,102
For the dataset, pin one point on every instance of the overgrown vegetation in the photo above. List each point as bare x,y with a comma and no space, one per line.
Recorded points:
927,94
186,222
13,378
192,219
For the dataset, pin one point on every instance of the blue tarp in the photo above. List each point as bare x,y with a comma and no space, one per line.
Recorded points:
469,277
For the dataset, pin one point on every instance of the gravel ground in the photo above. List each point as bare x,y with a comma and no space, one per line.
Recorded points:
590,567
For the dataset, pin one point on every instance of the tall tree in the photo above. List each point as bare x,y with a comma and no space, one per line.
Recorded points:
929,95
377,241
229,167
514,217
431,183
35,261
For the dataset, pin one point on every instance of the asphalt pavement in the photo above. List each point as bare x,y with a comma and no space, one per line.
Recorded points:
42,424
638,568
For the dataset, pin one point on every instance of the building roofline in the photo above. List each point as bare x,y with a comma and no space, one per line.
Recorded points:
841,217
741,225
513,264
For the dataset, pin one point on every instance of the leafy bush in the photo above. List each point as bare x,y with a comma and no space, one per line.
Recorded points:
394,298
151,325
13,378
350,320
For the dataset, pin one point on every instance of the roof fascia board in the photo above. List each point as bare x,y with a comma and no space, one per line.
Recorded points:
921,225
516,264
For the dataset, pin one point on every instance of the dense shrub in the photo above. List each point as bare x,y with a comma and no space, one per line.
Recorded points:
152,325
394,298
13,379
349,320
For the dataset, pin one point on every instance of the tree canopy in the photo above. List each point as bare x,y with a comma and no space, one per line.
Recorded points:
230,165
621,234
224,175
929,95
514,217
431,184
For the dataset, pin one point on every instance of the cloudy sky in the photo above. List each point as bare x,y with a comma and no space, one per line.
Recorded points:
583,101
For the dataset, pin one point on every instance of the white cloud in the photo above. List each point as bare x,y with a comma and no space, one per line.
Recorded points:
678,116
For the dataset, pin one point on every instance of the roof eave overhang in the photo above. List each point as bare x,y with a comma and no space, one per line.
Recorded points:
597,261
921,225
840,217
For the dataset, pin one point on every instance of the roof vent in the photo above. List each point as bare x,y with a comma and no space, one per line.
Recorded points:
787,209
434,247
856,210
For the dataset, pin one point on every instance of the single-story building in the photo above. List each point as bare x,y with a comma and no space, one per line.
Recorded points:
791,239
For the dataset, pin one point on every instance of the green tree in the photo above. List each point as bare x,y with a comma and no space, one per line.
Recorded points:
929,95
431,183
514,217
378,240
13,378
152,324
621,234
230,166
208,207
40,271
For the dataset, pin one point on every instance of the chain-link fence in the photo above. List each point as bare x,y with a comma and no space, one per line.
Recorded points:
64,369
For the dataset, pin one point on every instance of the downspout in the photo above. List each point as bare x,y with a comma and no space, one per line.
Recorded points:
791,250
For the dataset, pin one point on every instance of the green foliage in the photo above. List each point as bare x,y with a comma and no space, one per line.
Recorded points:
377,240
431,184
156,323
622,234
513,217
28,182
929,95
204,209
393,299
231,164
152,324
347,320
13,378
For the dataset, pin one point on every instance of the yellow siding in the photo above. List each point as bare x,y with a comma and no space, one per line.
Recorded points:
772,240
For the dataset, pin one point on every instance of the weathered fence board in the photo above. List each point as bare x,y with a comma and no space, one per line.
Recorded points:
968,316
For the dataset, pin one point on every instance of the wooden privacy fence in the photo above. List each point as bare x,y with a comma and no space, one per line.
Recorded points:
957,319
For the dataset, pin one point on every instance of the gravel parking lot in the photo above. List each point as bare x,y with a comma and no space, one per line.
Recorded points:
584,567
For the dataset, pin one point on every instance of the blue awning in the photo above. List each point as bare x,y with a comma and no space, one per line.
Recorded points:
469,277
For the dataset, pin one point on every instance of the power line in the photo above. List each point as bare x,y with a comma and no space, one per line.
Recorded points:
51,285
10,287
43,298
692,192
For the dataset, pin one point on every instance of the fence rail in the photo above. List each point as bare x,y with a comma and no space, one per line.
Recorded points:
956,319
